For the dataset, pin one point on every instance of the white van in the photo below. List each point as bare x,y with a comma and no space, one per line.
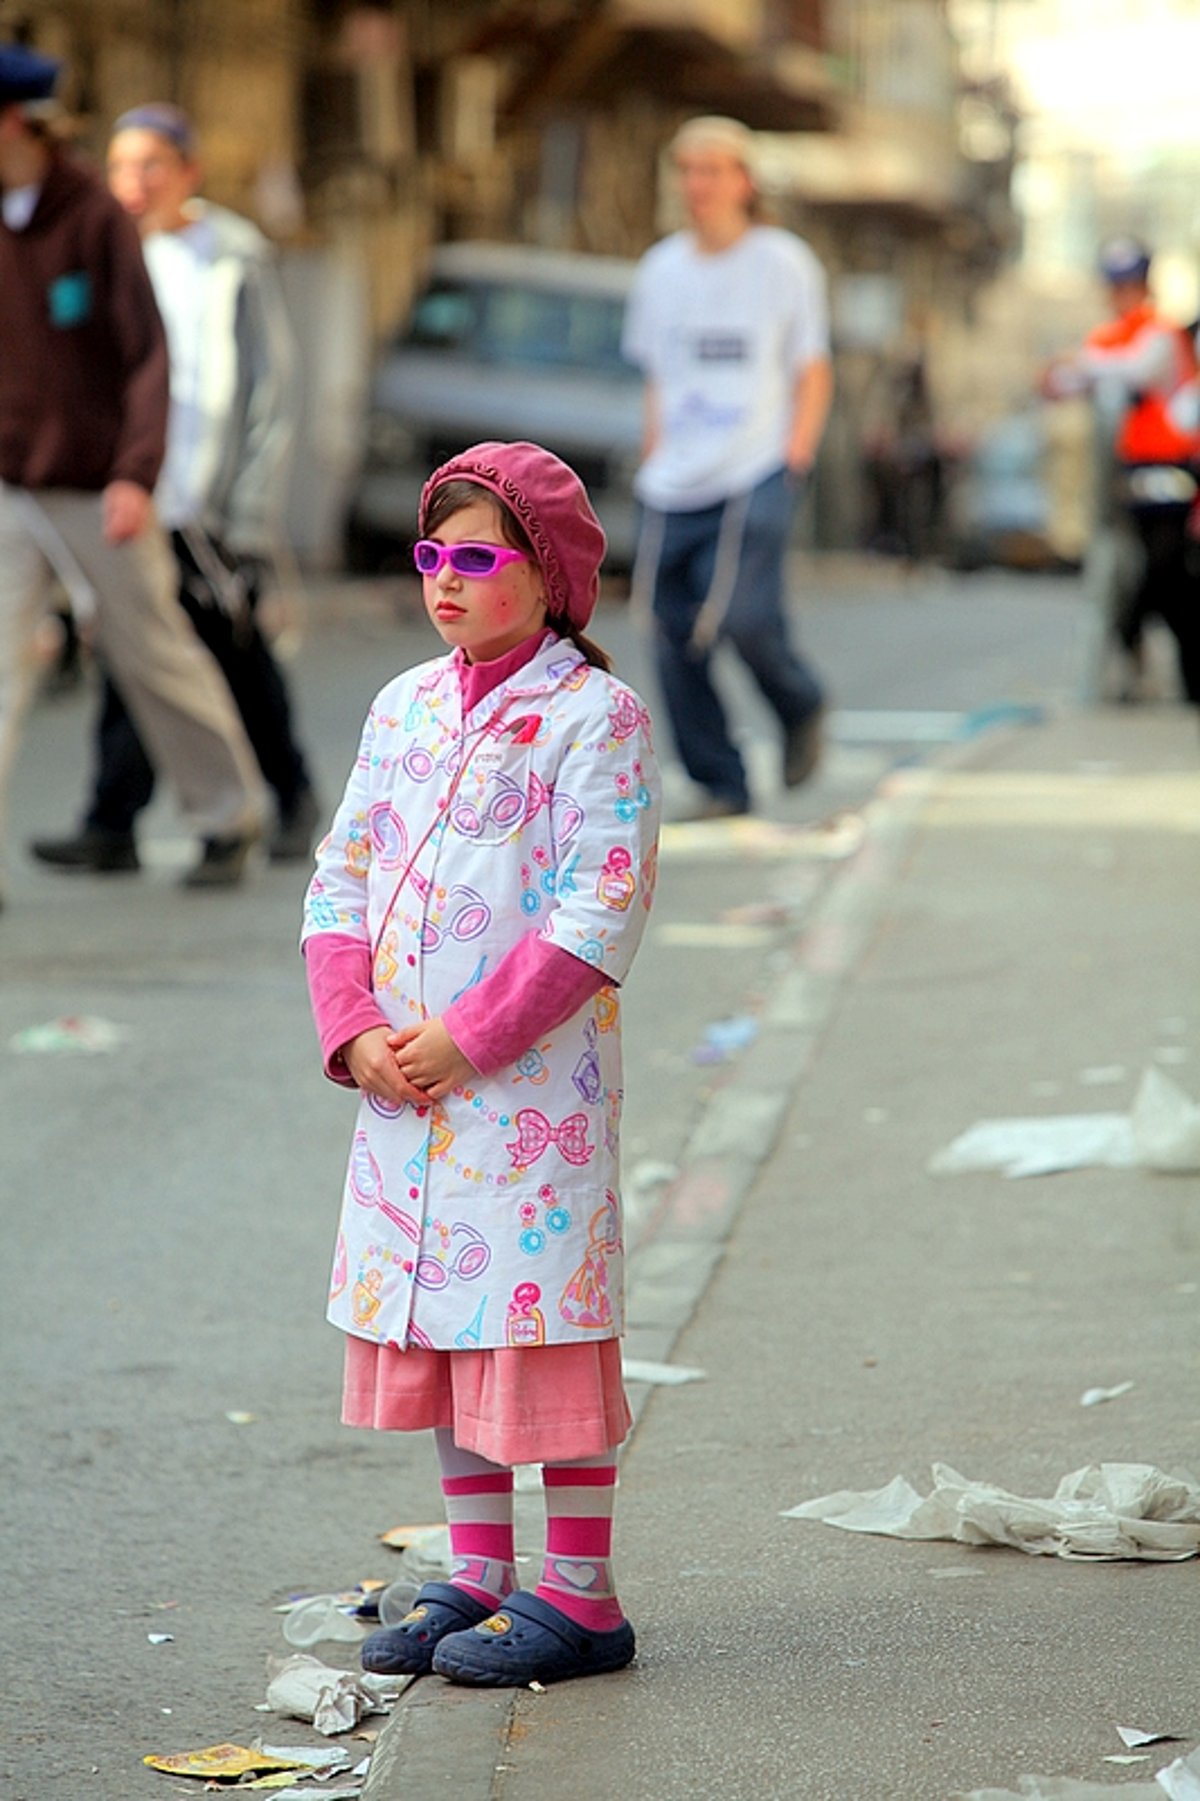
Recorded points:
504,341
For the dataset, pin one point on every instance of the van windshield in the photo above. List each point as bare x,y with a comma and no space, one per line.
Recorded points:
523,327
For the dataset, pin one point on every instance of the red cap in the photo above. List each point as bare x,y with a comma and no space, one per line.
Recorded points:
552,504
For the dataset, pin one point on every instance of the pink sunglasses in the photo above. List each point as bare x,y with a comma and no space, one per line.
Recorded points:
464,559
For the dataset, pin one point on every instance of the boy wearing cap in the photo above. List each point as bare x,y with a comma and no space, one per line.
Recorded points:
221,491
83,409
728,320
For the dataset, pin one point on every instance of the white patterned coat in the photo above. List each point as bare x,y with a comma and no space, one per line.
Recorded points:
492,1217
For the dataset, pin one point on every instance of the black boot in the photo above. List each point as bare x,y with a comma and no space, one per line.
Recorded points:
91,849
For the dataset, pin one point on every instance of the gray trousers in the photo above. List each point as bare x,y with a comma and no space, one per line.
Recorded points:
168,680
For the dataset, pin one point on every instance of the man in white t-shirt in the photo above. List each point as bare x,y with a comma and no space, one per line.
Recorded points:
728,320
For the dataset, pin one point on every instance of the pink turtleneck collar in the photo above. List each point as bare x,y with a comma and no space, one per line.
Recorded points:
476,680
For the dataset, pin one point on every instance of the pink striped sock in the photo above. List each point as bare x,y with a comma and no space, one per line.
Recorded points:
577,1575
479,1511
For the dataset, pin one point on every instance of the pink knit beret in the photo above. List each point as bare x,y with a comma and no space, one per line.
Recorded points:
552,505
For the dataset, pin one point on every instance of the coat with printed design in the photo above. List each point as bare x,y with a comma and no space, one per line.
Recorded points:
492,1217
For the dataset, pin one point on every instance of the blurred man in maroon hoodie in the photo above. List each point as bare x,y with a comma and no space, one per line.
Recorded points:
83,412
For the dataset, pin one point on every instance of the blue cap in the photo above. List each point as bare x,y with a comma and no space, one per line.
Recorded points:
26,76
1124,259
170,122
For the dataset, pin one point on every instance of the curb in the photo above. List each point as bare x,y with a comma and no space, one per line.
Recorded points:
446,1740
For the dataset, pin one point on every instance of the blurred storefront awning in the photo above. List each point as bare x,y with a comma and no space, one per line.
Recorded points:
697,55
914,173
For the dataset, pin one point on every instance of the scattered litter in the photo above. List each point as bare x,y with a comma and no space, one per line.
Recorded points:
308,1794
1166,1124
400,1538
424,1557
1041,1146
241,1419
724,1037
334,1700
1105,1511
1126,1757
1063,1788
1133,1736
74,1032
161,1638
321,1619
537,1688
228,1762
1162,1132
953,1570
1101,1075
330,1758
667,1375
1180,1781
1092,1397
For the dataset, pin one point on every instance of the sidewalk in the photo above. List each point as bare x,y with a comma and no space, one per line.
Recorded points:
1013,920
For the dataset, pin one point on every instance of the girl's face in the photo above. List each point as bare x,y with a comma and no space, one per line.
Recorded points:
486,615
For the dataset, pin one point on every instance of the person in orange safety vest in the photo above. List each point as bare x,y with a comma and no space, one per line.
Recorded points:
1145,367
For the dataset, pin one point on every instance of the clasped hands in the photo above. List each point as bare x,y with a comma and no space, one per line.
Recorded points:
418,1064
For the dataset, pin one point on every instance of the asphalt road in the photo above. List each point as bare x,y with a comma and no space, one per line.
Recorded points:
169,1206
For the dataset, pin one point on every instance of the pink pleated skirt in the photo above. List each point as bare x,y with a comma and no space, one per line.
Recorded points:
515,1404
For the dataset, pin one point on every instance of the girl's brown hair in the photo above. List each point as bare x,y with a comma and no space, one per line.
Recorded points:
452,496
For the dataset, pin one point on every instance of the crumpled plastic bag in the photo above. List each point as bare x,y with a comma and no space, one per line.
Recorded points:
1102,1512
1161,1132
1166,1125
334,1700
1179,1781
1040,1146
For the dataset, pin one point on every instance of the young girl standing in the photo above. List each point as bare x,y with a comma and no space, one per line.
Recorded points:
475,907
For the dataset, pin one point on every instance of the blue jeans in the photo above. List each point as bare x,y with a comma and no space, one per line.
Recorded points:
719,574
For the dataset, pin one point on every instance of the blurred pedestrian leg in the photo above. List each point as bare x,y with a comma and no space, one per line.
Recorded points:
169,682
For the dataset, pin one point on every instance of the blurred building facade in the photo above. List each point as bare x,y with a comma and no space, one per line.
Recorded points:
361,132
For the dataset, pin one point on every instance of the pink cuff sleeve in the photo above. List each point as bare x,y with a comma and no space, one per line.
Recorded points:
532,989
338,968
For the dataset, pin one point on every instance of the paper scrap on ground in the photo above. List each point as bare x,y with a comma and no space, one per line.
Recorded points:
668,1375
1092,1397
1042,1146
1162,1132
1133,1736
312,1794
1105,1511
321,1619
1180,1781
313,1757
76,1032
226,1761
725,1037
334,1700
399,1538
1063,1788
